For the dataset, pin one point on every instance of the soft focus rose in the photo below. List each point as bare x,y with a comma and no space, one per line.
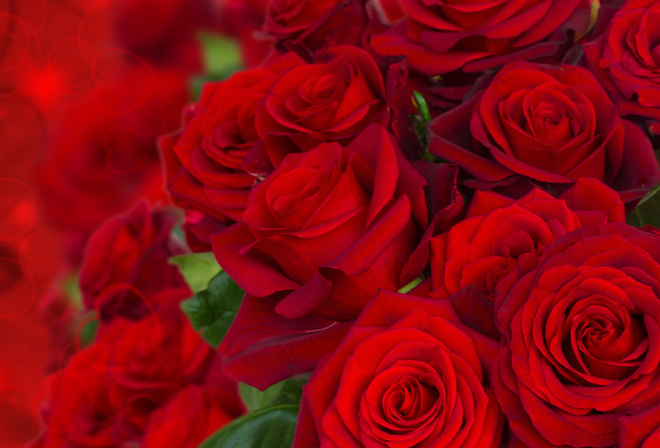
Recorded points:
205,161
406,375
126,263
329,101
581,358
109,392
309,25
498,234
439,36
189,418
331,226
548,124
626,59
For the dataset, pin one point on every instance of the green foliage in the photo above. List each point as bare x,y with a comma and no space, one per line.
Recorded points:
285,392
212,310
197,269
647,211
222,58
410,286
269,427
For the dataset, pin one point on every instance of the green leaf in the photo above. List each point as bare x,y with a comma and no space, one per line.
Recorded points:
422,107
198,269
71,291
647,211
412,285
222,56
212,310
271,427
90,325
285,392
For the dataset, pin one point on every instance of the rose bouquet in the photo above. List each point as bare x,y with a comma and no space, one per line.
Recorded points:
412,224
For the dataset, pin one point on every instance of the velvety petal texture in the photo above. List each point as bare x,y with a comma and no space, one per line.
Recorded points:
580,358
545,124
626,59
330,226
499,234
442,36
406,375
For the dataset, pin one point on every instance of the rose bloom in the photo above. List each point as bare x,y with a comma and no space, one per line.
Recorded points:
580,360
310,25
499,234
126,263
406,375
331,100
205,162
129,382
330,226
626,61
439,36
549,125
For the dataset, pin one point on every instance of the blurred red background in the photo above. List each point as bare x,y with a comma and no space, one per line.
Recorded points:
86,88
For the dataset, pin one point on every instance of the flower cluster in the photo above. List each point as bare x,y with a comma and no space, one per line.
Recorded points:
439,216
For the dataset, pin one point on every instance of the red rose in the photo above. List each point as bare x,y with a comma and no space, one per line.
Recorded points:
309,25
330,226
547,124
440,36
205,161
188,419
406,375
126,263
325,102
109,392
498,234
580,332
625,59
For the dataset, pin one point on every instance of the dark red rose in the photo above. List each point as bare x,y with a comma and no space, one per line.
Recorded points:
439,36
325,102
406,375
550,125
581,356
126,263
626,59
330,226
134,372
309,25
498,234
188,419
205,161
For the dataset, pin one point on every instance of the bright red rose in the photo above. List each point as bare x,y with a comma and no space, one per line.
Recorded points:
309,25
406,375
626,59
549,125
126,263
580,359
330,226
439,36
330,101
205,161
498,234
